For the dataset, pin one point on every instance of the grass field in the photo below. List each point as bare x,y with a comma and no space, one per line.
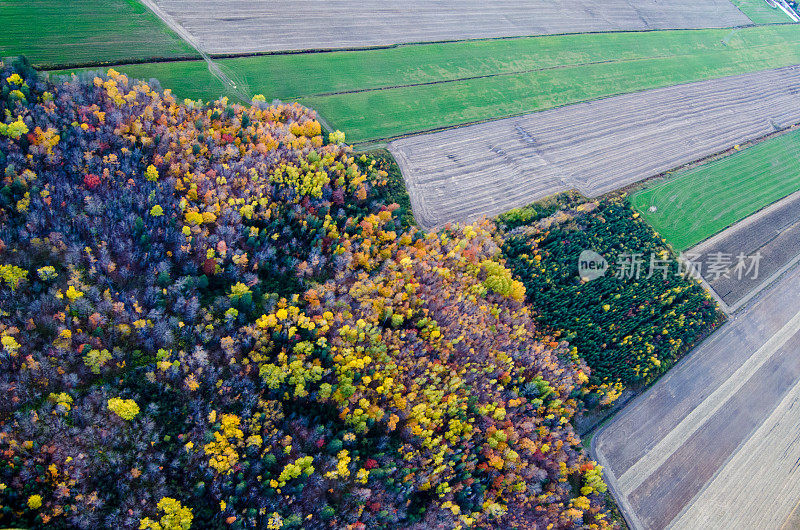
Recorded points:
187,79
384,93
73,32
700,202
760,12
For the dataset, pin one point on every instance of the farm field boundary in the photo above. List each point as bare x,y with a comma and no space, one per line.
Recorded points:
324,51
620,64
466,173
773,233
213,67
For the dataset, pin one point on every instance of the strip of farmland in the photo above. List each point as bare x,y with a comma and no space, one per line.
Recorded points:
728,409
240,26
773,451
704,200
289,76
596,147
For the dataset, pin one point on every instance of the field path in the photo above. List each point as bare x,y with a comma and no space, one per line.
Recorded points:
236,89
465,173
716,442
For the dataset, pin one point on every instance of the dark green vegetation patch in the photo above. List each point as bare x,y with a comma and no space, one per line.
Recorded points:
627,326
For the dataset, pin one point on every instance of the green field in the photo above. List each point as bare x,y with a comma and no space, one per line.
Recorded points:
760,13
73,32
187,79
700,202
377,94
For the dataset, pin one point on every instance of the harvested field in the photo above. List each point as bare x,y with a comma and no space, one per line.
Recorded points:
773,451
714,444
241,26
65,32
704,200
383,93
596,147
773,233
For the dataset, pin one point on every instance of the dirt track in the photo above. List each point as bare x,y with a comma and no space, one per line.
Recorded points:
714,444
240,26
481,170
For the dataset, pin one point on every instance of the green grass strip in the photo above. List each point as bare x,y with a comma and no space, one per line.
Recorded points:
700,202
376,94
187,79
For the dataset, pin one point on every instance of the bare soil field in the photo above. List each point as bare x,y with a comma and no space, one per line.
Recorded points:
774,233
465,173
714,443
242,26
